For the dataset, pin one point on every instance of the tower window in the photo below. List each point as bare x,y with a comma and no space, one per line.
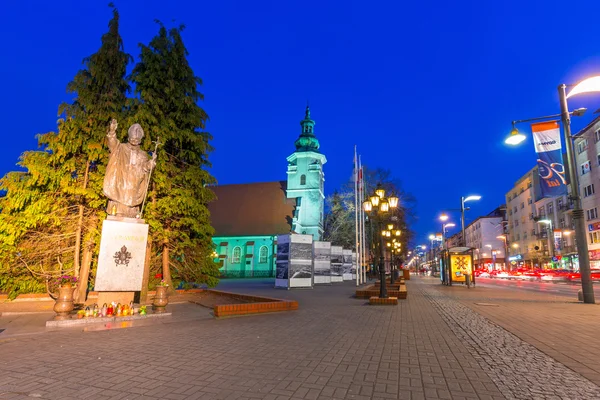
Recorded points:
303,180
263,253
236,255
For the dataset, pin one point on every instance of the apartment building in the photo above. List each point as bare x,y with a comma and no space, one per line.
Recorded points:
554,230
484,236
520,209
540,230
587,155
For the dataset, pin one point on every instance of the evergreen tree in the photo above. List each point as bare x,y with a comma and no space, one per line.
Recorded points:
51,213
177,209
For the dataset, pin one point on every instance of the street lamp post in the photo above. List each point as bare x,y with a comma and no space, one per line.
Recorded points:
549,230
505,238
463,200
586,86
431,253
444,226
580,231
379,208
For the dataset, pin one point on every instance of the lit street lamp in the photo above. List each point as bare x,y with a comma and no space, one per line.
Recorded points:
463,200
379,209
586,86
444,226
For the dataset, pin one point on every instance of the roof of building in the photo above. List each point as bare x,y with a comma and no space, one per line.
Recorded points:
587,127
307,140
252,209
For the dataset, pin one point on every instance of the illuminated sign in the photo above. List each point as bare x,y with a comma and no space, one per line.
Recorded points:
594,227
459,266
515,258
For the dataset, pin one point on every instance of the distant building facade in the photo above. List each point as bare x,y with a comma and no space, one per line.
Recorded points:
587,154
540,230
482,235
520,209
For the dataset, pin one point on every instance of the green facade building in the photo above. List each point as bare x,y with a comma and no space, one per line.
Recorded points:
248,217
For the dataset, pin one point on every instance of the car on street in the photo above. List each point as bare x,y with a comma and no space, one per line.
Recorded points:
481,273
497,273
531,275
554,275
576,276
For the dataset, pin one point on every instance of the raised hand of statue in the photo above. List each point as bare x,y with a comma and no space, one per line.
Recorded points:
112,130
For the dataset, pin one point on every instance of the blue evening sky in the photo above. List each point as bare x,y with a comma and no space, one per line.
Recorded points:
427,89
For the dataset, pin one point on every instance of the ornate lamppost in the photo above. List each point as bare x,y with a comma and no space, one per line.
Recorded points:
379,208
391,231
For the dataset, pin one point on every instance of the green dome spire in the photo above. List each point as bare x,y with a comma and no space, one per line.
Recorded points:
307,140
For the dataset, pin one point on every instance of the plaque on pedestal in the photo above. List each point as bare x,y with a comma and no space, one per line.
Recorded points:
122,255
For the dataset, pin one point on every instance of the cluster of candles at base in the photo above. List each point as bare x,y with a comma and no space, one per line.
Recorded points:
112,310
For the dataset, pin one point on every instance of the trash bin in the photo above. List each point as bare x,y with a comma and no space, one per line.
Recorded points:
468,280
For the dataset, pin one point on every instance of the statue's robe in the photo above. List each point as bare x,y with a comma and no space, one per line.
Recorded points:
127,173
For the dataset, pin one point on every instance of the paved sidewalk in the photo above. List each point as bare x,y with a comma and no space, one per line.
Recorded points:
558,325
434,345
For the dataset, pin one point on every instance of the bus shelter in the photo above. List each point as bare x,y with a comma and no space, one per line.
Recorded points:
455,264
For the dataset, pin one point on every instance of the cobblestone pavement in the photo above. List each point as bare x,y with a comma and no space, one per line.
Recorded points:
519,369
334,347
557,325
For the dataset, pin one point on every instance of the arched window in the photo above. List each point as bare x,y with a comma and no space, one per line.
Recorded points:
303,179
236,255
263,253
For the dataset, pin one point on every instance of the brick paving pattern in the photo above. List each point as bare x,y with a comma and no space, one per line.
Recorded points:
332,347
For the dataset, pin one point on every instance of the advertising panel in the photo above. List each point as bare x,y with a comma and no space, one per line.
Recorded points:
460,264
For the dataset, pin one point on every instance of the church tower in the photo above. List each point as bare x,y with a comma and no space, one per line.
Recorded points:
305,180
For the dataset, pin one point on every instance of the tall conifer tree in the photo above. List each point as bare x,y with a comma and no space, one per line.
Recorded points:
177,207
53,210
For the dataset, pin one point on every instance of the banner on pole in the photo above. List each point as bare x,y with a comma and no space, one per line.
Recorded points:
546,137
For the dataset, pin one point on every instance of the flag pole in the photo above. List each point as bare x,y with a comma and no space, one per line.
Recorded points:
362,222
355,178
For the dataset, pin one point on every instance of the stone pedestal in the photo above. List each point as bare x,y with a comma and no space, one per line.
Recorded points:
117,297
121,260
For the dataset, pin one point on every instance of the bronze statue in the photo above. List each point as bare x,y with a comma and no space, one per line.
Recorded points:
127,173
